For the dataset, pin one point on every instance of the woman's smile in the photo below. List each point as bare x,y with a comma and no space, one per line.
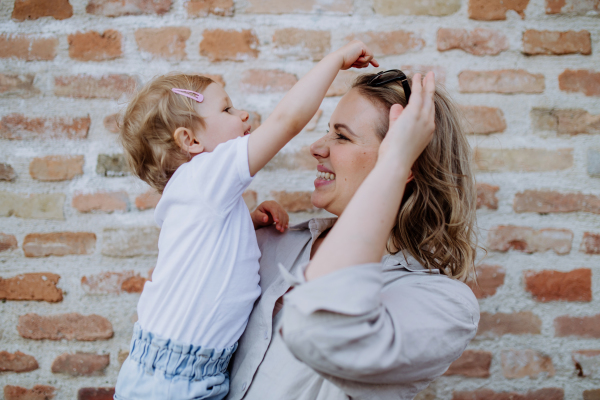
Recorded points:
324,176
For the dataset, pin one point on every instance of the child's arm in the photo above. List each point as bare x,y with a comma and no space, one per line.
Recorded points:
302,102
268,213
361,233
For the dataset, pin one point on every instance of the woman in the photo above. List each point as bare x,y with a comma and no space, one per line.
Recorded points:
379,311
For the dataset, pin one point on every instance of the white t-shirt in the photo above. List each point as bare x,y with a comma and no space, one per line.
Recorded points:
206,277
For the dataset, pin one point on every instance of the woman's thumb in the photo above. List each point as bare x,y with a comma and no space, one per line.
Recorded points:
395,112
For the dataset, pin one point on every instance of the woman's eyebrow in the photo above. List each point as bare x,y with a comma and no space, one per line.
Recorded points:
345,127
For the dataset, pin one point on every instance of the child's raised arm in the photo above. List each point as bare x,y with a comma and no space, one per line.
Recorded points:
302,102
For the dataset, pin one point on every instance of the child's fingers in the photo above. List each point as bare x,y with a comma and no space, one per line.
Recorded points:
375,63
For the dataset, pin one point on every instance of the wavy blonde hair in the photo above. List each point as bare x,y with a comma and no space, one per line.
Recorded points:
149,121
436,220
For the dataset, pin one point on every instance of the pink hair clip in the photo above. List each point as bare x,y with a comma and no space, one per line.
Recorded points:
188,93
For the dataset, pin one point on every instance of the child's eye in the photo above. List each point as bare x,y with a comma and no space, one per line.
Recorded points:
227,109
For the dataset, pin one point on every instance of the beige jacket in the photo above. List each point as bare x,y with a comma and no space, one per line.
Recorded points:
371,331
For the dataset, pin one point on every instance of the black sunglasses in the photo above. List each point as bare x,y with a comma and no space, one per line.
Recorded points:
391,75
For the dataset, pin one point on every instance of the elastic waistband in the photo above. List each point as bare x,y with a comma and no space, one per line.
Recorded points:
177,358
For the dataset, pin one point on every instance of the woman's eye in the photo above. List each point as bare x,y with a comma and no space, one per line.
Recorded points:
340,136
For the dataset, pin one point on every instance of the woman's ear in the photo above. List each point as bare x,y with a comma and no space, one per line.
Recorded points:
187,141
410,177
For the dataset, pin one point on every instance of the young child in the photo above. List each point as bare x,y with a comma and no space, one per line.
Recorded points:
183,137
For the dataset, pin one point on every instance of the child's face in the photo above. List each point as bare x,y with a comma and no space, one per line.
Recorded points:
223,122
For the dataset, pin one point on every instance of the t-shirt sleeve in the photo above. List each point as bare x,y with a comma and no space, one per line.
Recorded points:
223,174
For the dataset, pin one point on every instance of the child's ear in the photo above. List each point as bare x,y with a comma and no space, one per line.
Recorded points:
187,141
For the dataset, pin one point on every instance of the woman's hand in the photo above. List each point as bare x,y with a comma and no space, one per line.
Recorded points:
269,213
356,54
411,129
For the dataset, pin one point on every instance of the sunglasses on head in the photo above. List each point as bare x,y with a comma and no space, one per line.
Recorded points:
391,75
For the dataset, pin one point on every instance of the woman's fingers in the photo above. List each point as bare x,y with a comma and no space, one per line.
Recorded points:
429,87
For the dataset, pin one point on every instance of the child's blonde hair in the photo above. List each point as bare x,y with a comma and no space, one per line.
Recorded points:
148,124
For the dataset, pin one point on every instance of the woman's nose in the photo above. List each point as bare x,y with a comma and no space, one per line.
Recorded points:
319,149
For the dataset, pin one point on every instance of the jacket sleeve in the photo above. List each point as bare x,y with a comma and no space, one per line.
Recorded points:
349,326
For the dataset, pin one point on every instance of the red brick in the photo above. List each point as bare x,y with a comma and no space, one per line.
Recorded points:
17,362
8,242
21,85
130,242
293,6
89,87
489,279
112,282
587,363
573,7
267,81
40,286
294,201
389,43
547,286
20,127
202,8
301,43
546,201
416,7
7,173
495,10
486,196
482,120
593,394
167,43
565,121
487,394
506,81
521,363
479,41
71,326
112,122
439,72
341,84
95,46
297,160
472,364
106,202
583,81
520,323
95,394
28,47
117,8
523,160
590,243
147,200
56,168
34,9
529,240
556,43
229,45
250,198
80,364
32,205
582,327
59,244
38,392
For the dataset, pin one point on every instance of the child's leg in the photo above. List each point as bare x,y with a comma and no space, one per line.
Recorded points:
164,369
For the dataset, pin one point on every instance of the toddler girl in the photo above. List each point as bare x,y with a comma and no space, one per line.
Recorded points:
183,137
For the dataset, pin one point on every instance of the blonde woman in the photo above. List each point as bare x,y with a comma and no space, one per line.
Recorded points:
374,307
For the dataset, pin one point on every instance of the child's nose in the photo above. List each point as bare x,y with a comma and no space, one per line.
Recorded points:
244,115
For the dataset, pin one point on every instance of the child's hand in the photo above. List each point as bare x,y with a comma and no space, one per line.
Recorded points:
269,213
411,129
356,54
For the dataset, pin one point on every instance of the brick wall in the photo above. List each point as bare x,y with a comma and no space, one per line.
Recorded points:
77,238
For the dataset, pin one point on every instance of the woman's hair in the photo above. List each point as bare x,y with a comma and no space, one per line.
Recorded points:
150,119
435,223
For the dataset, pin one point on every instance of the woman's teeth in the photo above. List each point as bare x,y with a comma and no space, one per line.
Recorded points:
326,175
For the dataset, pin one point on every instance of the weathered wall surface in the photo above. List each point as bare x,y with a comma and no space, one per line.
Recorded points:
77,238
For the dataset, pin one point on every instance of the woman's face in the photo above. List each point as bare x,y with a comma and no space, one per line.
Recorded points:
348,152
